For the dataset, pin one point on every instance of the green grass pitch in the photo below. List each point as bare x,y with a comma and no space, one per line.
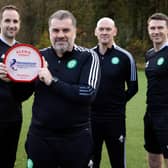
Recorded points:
135,153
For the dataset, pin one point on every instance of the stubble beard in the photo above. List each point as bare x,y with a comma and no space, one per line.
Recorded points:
61,49
10,35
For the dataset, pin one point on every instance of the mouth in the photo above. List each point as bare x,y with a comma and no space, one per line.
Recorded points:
61,43
11,30
156,38
104,38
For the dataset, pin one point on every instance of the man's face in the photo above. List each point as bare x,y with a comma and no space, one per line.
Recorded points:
10,24
158,31
105,32
62,35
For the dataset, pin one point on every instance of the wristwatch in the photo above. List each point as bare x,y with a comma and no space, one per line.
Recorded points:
54,79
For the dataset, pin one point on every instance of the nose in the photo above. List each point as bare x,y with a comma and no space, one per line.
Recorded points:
12,24
60,34
156,30
105,31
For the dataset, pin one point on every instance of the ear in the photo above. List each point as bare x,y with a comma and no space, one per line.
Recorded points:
75,32
115,31
148,29
95,32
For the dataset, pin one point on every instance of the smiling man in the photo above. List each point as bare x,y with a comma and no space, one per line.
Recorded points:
156,116
10,24
59,134
62,36
10,104
118,85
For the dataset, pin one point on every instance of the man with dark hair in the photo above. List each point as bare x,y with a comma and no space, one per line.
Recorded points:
156,116
10,100
59,134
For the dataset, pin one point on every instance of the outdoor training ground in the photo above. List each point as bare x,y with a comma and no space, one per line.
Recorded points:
135,153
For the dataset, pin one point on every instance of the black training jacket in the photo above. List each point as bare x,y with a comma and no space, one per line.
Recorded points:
157,76
10,95
65,104
118,83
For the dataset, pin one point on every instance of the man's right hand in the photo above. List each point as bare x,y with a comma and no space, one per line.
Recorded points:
3,73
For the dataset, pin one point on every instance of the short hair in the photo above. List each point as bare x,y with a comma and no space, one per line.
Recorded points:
105,18
62,14
8,7
158,16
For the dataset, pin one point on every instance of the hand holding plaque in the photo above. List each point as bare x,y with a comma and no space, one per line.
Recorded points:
23,62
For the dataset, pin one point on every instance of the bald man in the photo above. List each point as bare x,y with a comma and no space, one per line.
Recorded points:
117,86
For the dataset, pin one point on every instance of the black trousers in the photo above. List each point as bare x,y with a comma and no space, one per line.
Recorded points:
156,130
65,151
113,134
9,137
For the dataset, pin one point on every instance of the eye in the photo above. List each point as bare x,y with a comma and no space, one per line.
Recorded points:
108,29
15,21
7,20
101,29
152,28
66,30
160,27
55,30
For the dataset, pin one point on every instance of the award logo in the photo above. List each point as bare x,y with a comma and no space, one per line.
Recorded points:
23,62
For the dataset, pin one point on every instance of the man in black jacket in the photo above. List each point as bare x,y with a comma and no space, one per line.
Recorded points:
10,97
59,133
156,70
118,85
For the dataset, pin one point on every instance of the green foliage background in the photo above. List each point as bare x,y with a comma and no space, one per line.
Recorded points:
130,17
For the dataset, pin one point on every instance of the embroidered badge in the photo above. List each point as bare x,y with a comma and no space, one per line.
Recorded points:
29,163
72,64
160,61
115,60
